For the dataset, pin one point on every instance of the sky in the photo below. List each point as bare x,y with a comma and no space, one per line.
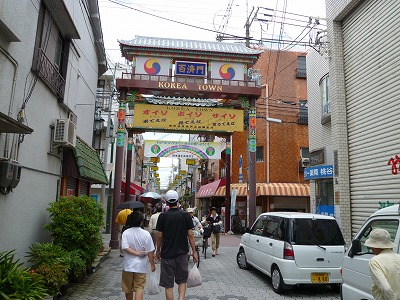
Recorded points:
204,20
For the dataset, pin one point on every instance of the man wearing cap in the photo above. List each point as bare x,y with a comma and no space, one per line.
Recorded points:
384,266
174,231
196,222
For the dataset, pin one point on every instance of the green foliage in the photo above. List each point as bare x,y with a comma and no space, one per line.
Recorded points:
52,263
55,275
77,265
76,224
17,282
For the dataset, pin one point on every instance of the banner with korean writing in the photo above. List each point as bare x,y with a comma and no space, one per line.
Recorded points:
187,118
200,150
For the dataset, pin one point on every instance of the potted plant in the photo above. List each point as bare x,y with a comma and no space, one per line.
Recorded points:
17,282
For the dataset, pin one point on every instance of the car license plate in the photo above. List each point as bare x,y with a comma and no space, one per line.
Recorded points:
319,277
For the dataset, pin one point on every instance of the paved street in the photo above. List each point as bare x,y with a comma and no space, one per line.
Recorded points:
222,280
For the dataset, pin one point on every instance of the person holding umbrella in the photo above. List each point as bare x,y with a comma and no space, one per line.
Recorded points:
121,221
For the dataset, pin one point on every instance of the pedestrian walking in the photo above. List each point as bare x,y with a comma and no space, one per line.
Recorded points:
384,267
139,251
174,233
153,222
121,221
215,221
196,222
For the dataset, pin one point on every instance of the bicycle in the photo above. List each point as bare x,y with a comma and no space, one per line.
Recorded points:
206,234
198,240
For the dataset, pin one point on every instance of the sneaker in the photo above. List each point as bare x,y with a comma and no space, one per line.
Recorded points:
213,253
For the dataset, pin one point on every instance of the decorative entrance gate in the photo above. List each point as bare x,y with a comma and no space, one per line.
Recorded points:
190,87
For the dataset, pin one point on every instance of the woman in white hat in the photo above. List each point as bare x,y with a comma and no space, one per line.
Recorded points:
384,266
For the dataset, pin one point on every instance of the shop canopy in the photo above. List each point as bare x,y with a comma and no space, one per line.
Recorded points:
270,189
134,188
209,190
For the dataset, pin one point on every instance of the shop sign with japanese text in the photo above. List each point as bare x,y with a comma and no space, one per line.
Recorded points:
187,118
191,68
318,172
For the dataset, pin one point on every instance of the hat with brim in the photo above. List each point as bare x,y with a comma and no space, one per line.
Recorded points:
213,208
190,210
379,238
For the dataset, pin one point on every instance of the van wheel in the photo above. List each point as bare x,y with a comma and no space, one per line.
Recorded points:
276,280
241,260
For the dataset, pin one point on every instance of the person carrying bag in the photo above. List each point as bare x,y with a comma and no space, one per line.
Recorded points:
214,220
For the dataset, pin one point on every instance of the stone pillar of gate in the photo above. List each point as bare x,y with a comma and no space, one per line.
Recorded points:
228,222
119,156
252,181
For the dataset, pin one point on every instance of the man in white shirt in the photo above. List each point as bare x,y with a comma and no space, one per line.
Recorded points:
384,266
153,222
196,222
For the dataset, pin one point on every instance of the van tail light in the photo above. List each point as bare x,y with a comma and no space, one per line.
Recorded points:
341,272
288,251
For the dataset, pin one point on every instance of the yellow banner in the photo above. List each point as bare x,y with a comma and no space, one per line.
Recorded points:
187,118
155,159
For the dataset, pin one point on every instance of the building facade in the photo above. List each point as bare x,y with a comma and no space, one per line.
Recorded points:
282,138
320,170
51,55
364,72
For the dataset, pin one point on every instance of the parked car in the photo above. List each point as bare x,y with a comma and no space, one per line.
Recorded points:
294,248
357,281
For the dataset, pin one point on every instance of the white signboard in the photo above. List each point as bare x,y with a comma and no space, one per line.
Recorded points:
152,65
199,150
227,70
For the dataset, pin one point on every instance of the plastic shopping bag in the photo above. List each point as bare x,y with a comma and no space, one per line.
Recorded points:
152,285
194,278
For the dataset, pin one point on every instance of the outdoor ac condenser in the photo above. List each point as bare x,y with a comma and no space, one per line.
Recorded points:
65,133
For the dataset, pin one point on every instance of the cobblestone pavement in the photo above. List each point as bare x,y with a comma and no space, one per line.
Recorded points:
222,280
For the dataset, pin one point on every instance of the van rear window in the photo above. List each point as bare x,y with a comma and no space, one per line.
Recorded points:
316,232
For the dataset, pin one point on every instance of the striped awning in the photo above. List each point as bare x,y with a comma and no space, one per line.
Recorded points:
210,189
240,187
270,189
283,189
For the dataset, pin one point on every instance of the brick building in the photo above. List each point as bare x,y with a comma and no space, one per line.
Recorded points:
282,138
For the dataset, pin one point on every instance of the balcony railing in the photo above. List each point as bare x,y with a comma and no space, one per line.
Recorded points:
49,73
182,79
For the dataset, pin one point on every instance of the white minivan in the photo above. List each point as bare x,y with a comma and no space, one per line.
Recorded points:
357,281
294,248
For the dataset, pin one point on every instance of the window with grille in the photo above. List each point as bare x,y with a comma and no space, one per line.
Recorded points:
301,67
259,154
325,100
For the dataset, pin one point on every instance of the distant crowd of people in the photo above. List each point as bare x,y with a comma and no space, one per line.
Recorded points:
168,238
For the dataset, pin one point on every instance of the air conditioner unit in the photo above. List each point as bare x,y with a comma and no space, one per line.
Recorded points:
65,133
305,162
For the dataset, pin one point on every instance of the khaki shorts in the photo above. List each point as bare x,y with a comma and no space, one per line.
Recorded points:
133,281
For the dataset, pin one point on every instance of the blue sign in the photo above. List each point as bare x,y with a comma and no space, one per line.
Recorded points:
318,172
191,68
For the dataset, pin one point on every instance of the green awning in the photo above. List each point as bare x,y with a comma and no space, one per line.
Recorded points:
89,163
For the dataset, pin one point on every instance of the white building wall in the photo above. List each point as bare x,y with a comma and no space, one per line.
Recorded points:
320,135
23,211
